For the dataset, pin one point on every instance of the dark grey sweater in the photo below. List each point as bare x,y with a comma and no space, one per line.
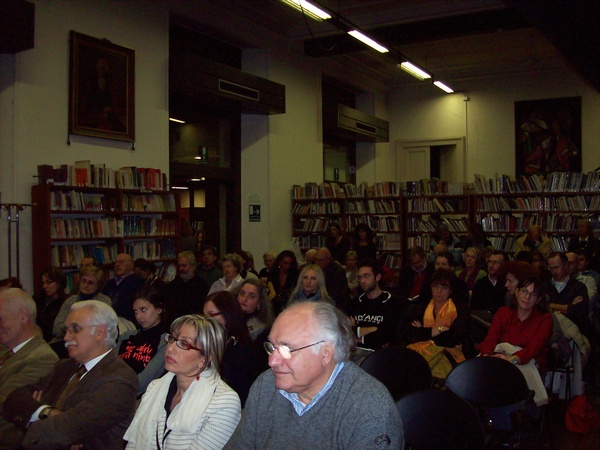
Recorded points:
357,412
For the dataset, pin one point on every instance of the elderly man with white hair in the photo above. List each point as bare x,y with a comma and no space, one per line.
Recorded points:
24,355
313,396
88,399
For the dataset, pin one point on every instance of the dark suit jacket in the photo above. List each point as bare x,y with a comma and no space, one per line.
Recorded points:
122,294
96,414
34,360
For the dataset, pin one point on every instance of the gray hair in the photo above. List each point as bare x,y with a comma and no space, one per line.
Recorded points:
233,259
101,314
334,326
189,255
210,337
18,298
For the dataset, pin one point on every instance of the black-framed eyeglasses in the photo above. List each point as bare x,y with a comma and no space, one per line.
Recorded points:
74,329
284,350
181,343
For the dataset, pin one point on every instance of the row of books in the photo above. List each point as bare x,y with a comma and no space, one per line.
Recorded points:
393,260
504,243
553,182
86,174
384,224
311,241
148,226
110,227
506,204
86,228
437,205
316,208
372,206
389,242
313,225
148,203
519,223
70,255
81,201
423,240
433,186
458,225
151,250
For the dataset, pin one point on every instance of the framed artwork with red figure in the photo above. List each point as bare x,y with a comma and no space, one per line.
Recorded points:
548,136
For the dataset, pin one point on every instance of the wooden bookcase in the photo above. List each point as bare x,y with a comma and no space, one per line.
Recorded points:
69,222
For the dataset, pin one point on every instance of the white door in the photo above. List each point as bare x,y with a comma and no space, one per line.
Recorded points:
416,163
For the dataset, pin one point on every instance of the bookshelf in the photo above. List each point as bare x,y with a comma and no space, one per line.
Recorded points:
70,222
315,207
506,208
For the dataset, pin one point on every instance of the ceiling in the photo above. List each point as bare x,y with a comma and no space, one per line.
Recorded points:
457,41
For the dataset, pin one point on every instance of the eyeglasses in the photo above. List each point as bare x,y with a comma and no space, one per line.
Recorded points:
443,287
213,314
85,282
182,344
529,294
284,350
73,329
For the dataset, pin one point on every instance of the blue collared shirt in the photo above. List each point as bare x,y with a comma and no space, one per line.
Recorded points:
300,407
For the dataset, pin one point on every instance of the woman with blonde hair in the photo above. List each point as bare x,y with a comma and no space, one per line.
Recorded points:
311,286
190,406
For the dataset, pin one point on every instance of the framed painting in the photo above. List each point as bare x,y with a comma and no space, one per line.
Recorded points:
548,136
101,89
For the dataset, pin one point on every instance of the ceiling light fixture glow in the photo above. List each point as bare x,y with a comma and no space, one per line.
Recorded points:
309,9
447,89
367,40
176,120
179,187
414,70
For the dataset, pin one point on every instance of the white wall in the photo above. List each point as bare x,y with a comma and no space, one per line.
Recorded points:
487,119
34,98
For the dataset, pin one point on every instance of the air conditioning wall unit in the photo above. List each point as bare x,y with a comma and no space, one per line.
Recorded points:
209,83
349,123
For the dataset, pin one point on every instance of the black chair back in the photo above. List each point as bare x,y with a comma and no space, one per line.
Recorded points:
488,382
400,369
440,420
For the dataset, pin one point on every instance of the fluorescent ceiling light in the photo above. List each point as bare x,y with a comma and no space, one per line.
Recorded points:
367,40
197,179
308,8
179,187
443,87
176,120
414,70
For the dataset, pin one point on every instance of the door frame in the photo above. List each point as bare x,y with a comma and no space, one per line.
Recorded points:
403,145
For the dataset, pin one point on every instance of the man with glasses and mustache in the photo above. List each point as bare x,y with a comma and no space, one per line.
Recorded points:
375,314
88,399
313,396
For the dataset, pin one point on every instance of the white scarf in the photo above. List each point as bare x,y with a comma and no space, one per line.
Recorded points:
185,417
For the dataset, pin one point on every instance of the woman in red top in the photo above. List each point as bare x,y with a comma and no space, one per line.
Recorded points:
526,324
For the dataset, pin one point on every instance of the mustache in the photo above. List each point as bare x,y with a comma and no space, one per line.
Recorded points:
70,343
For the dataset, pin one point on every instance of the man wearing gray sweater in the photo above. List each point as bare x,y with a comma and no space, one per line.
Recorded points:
314,397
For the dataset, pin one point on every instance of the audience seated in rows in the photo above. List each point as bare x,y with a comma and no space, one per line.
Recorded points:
208,269
335,278
472,272
533,241
489,292
52,413
416,275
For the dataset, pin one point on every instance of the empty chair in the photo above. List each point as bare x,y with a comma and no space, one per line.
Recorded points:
440,420
500,391
401,370
488,382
